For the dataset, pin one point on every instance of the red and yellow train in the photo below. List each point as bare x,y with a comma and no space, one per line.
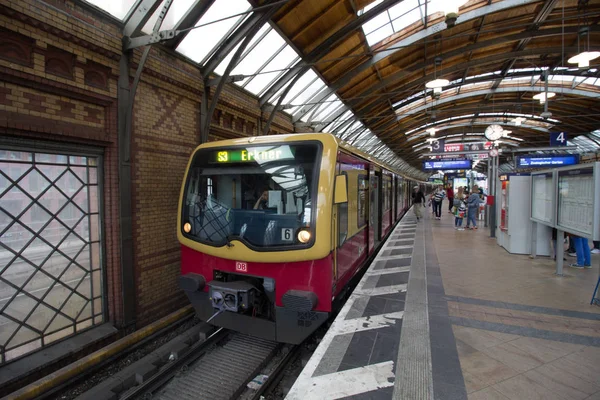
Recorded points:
274,228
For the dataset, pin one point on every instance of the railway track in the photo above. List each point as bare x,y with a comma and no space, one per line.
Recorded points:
149,386
224,372
217,368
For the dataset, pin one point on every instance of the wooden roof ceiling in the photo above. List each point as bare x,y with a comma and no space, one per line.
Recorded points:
519,34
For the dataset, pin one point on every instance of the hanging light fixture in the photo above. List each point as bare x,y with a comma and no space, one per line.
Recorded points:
437,84
584,57
542,97
432,131
451,11
519,120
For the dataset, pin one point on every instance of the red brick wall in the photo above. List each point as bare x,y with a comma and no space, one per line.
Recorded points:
58,81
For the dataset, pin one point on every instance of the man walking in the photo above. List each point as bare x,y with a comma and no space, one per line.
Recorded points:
450,196
437,198
418,199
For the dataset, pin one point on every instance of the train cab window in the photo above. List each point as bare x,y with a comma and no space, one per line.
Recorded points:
261,195
363,188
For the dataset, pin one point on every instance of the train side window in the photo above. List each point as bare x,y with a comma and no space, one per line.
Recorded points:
363,188
342,220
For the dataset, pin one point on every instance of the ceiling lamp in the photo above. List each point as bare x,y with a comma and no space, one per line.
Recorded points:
542,97
451,11
437,85
519,120
583,59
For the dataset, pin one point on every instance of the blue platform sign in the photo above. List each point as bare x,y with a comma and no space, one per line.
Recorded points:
447,164
558,138
548,161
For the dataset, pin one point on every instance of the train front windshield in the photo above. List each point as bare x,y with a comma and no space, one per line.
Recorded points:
263,195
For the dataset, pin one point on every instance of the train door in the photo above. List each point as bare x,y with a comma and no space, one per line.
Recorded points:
375,209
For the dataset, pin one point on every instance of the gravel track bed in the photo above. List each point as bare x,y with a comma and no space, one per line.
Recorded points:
107,371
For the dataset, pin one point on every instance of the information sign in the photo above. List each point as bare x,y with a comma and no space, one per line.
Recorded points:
437,146
543,198
447,164
579,200
548,161
558,138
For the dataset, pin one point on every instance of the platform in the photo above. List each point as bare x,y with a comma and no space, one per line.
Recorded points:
446,314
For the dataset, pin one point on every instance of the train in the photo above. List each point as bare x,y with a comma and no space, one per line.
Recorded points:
273,229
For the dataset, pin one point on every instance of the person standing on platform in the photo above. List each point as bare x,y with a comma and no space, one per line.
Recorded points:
450,196
584,256
460,209
473,207
596,249
418,199
438,197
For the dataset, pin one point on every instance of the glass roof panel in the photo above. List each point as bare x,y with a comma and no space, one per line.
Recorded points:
380,34
176,12
376,23
260,54
117,8
281,61
200,42
330,104
315,87
221,67
303,83
406,19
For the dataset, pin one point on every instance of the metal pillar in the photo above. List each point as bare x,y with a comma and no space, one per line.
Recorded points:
560,251
493,176
125,190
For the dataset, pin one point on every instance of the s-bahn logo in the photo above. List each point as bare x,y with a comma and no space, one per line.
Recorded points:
241,266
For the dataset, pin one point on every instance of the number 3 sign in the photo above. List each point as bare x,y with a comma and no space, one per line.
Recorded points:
558,138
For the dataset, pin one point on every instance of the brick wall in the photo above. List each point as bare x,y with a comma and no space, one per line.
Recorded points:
58,71
58,81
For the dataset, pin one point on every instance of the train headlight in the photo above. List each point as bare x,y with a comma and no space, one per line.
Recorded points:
304,236
187,227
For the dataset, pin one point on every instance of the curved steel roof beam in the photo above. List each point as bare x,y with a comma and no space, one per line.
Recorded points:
509,89
464,95
399,46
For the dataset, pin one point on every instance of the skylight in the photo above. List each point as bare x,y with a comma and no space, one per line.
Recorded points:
176,12
398,17
117,8
200,42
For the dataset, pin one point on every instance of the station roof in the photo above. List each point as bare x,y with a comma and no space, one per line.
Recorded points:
359,68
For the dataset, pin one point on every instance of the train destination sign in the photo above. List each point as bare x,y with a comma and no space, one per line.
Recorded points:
550,161
447,164
253,154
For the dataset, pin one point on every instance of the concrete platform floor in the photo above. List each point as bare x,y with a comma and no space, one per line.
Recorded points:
521,332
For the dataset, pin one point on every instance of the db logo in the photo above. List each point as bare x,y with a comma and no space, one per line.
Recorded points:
241,266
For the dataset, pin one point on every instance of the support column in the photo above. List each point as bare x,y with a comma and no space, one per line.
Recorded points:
125,191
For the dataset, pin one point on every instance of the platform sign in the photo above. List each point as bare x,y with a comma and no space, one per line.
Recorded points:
558,138
535,161
447,164
579,200
437,146
543,197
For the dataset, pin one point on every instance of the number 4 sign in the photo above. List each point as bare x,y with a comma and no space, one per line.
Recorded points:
558,138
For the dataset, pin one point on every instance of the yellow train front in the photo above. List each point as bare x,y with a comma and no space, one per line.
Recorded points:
274,228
